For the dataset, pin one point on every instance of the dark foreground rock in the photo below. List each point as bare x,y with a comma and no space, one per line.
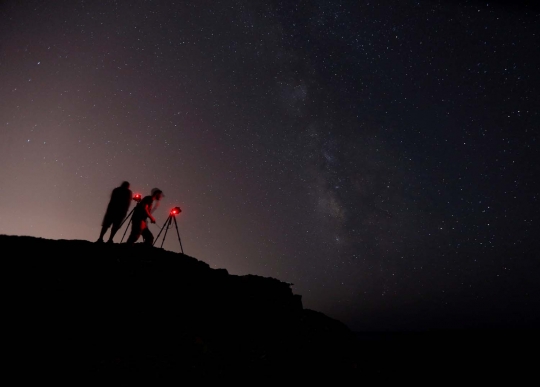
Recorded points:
81,312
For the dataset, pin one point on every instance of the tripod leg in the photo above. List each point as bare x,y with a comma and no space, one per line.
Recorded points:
121,240
126,218
155,240
164,235
178,233
124,221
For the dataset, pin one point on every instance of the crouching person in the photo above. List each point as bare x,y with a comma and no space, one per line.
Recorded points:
141,213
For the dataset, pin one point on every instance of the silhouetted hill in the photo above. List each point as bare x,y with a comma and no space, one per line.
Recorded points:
82,313
129,315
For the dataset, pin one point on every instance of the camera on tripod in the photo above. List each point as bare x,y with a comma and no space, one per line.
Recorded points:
172,216
137,197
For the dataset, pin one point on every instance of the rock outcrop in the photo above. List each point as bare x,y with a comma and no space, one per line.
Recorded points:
129,315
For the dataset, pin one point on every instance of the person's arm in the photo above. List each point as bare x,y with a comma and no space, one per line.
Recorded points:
147,209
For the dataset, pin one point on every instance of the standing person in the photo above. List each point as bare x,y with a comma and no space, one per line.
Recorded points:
116,211
143,211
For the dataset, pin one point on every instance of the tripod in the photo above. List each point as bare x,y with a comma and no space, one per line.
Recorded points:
172,215
126,218
137,198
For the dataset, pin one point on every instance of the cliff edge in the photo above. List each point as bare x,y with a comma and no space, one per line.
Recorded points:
126,315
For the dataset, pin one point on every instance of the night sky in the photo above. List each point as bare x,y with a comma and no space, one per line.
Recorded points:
381,156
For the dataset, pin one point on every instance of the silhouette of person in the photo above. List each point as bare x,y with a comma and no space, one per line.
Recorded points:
141,213
116,211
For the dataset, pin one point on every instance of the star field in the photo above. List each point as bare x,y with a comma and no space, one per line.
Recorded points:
380,156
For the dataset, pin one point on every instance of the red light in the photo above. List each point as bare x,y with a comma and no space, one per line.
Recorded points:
176,211
137,197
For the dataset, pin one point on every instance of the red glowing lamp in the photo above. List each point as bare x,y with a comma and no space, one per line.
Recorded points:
137,197
175,211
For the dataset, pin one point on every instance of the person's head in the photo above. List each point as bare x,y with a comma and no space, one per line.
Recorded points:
125,184
157,194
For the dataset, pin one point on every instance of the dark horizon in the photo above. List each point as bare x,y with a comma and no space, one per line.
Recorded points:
382,158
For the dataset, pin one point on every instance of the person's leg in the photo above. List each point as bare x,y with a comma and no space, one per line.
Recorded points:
136,229
115,227
104,226
102,234
148,236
